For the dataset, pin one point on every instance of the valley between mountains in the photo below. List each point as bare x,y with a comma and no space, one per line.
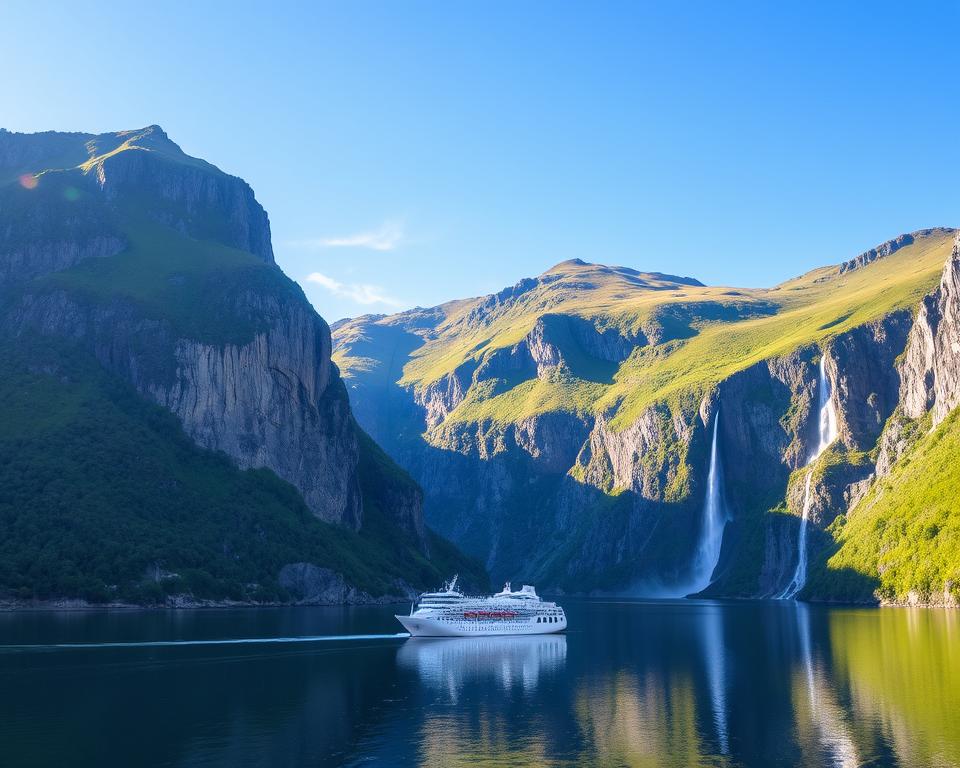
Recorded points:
178,426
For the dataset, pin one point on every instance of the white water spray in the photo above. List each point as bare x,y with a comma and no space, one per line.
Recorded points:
828,433
714,521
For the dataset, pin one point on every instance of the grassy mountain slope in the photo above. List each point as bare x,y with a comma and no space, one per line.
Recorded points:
188,282
902,541
99,489
699,335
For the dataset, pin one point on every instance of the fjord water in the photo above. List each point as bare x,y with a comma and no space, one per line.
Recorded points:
633,683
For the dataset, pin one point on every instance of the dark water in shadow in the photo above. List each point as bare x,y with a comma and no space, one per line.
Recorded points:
633,683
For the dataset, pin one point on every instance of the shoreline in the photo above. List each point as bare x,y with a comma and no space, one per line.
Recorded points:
65,605
185,603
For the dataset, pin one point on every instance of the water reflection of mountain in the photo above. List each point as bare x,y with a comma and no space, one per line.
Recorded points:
832,738
450,663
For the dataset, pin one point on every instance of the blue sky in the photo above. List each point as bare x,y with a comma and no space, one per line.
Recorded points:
409,153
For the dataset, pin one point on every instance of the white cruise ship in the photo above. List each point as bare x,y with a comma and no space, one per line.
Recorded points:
450,613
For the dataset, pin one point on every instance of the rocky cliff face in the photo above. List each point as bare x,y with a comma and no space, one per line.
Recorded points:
885,249
43,231
276,401
931,367
189,195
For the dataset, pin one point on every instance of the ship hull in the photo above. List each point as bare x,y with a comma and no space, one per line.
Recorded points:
422,626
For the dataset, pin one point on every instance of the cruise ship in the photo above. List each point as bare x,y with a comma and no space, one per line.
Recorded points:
450,613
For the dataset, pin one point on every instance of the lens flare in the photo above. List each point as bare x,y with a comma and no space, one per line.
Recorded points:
29,181
71,194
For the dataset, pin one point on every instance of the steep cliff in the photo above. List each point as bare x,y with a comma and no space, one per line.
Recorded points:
899,539
159,267
561,427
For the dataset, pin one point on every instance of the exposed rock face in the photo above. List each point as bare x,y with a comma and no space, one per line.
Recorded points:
26,152
276,401
311,585
552,334
479,472
899,434
609,344
190,194
866,381
885,249
43,257
931,367
778,558
636,458
440,398
754,405
53,226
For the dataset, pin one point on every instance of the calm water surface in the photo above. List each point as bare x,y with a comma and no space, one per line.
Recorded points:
632,683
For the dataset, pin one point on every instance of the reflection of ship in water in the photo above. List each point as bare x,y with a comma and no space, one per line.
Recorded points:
451,663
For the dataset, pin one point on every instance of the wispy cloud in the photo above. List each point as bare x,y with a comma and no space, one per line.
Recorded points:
361,293
386,237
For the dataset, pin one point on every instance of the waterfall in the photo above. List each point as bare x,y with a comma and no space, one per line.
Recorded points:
827,431
714,520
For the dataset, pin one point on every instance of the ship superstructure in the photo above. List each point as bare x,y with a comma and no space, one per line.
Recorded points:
450,613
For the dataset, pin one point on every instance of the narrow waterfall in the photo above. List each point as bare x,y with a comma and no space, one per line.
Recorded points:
714,521
827,430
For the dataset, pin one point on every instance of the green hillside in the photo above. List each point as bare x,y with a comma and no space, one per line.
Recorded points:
192,284
99,488
904,535
699,334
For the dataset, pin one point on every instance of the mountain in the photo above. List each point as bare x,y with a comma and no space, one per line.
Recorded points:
173,427
562,428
